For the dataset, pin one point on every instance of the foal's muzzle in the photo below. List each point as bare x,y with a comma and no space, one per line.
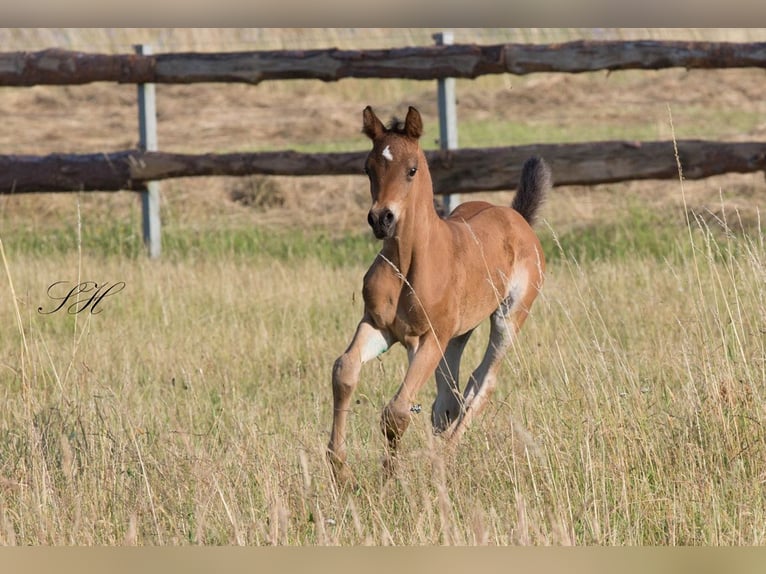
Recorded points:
383,222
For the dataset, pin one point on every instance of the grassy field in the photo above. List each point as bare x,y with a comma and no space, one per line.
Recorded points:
194,407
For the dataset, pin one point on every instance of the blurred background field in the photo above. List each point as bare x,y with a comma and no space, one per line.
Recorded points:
314,116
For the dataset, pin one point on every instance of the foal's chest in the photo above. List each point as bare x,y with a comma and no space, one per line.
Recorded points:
392,304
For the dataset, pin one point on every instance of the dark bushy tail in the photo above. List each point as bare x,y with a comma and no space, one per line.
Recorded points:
534,183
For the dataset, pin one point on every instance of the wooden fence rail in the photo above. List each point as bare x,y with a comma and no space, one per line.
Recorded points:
460,170
62,67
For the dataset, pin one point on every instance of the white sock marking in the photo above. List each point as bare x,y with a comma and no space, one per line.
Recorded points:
375,345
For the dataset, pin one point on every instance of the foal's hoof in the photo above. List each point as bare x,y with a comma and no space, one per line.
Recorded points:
340,471
444,413
390,467
393,423
445,423
343,477
442,425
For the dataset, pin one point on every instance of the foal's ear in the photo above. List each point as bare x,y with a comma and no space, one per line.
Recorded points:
371,125
413,125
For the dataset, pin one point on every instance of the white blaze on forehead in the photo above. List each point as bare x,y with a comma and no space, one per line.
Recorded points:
386,153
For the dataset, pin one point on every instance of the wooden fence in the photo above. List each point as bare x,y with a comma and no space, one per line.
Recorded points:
417,63
459,170
454,171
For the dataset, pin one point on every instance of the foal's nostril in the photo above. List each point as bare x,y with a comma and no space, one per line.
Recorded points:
382,222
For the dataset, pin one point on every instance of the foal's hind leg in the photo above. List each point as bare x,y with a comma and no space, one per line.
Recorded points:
505,323
449,402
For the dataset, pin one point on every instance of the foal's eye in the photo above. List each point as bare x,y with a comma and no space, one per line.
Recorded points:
412,172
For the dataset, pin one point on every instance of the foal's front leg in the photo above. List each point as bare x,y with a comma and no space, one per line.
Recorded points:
368,343
424,356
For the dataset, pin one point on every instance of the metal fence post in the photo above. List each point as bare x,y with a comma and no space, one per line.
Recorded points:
147,128
447,117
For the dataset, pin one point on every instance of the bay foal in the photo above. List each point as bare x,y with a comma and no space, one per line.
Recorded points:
433,282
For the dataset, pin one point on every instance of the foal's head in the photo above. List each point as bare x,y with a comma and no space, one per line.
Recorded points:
397,169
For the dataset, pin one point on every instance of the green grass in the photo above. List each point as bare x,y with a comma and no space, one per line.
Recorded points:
719,124
123,239
494,133
639,233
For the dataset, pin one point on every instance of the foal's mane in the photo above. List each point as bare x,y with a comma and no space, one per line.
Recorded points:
396,126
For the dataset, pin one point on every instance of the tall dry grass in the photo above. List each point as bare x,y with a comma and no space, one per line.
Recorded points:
195,407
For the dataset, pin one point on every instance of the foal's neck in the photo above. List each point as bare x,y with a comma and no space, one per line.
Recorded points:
415,234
